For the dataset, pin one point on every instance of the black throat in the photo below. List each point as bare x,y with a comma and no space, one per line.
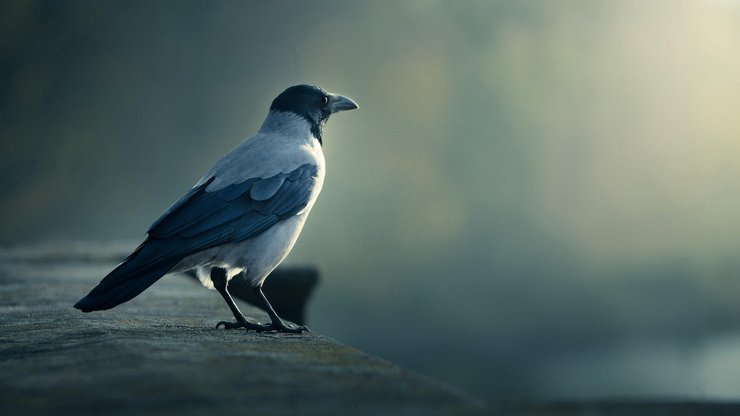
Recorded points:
317,129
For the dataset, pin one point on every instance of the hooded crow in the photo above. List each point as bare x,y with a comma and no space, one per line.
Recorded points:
243,216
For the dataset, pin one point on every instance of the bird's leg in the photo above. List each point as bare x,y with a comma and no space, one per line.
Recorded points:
220,282
277,323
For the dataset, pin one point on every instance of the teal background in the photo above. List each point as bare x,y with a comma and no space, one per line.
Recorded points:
536,199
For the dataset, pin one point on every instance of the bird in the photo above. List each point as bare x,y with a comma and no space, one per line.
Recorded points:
242,217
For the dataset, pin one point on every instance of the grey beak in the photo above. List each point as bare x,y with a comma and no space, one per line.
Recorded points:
339,103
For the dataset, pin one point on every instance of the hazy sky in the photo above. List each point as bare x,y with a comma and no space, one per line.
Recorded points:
528,189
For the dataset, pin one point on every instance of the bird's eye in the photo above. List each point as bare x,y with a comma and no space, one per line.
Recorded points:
325,100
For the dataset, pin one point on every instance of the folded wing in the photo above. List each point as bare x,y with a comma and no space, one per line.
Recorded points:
200,220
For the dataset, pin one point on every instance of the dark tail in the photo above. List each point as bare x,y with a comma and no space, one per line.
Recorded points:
126,281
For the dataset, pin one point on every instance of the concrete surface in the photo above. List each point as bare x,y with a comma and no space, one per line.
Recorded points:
160,353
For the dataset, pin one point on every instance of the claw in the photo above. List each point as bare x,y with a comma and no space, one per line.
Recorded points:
289,329
229,325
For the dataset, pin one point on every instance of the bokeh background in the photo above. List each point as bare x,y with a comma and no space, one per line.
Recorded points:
536,199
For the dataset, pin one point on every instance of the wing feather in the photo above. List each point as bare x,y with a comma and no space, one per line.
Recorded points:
203,219
266,188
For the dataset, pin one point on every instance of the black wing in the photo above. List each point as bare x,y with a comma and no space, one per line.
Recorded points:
201,220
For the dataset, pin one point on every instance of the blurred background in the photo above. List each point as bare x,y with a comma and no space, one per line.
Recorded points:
536,199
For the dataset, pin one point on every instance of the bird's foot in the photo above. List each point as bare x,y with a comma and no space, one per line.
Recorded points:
246,325
281,327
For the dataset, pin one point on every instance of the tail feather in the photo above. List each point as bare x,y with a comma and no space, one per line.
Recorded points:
126,281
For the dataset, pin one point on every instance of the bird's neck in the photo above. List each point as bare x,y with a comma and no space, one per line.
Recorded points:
290,124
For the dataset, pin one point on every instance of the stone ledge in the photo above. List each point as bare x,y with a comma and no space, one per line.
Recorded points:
160,353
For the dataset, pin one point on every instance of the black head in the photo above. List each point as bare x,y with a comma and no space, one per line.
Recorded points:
313,104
